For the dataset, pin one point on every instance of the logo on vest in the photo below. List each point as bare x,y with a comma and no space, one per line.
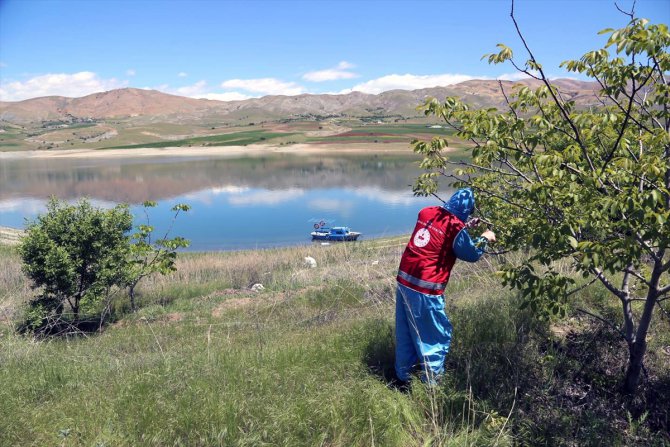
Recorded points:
421,238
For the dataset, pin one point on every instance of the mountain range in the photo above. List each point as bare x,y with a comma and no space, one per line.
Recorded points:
158,106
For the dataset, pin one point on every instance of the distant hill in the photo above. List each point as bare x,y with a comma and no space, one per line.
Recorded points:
132,102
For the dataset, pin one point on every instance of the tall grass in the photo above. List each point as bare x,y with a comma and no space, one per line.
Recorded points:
306,362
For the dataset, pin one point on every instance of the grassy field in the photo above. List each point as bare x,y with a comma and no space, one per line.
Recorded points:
308,362
128,134
229,139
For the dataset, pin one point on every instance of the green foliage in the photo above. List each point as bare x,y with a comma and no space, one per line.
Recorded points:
74,254
146,257
560,182
308,362
229,139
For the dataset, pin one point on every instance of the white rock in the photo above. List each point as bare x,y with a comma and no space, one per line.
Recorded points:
310,262
375,262
257,287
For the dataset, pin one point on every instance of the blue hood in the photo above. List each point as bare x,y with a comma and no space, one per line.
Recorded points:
461,204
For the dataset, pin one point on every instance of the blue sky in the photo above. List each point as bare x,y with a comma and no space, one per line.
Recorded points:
239,49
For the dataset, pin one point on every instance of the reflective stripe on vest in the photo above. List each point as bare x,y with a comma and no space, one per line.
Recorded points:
420,282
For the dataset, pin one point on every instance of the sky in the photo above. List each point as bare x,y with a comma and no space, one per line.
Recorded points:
231,50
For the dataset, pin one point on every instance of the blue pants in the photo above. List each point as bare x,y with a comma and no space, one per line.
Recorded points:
422,334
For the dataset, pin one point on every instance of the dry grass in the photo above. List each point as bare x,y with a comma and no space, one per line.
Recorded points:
371,264
10,236
14,287
207,361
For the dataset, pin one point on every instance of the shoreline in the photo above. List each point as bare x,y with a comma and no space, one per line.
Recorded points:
10,236
214,151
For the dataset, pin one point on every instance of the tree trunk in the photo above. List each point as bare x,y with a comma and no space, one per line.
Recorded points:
639,346
131,293
635,363
75,309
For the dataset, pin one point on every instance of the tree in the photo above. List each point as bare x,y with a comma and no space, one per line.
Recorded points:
146,258
586,185
74,254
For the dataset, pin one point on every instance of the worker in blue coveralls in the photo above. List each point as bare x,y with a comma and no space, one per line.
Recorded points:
423,330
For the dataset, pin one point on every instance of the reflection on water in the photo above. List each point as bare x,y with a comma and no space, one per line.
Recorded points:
236,203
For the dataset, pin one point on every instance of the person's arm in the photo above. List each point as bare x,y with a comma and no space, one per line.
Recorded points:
470,250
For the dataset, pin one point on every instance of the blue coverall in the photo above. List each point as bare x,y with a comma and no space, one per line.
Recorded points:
423,330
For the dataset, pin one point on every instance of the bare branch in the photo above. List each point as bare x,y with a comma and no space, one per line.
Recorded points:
646,246
582,287
604,87
438,197
624,125
558,103
639,276
603,320
630,13
482,168
662,309
504,199
524,71
606,282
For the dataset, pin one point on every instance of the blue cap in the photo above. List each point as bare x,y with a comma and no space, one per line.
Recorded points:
461,204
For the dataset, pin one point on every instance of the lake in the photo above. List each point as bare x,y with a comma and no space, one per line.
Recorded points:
237,203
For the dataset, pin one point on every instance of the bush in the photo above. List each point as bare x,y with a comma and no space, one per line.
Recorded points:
74,255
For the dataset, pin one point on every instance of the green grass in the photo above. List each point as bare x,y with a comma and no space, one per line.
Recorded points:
133,134
307,362
403,129
230,139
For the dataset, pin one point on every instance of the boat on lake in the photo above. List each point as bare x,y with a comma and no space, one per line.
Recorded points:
334,234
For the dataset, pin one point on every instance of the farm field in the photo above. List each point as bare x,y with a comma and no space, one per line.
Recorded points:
127,134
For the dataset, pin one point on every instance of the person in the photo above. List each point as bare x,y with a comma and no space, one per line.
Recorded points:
423,330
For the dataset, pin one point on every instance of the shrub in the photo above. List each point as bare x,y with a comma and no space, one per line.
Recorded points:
74,255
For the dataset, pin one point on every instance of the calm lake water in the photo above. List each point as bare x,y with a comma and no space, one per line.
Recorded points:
237,203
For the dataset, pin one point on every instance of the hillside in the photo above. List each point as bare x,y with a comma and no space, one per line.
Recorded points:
131,118
132,102
308,361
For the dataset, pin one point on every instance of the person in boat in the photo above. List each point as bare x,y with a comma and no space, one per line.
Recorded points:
423,330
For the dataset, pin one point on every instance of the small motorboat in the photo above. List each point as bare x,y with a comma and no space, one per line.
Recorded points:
334,234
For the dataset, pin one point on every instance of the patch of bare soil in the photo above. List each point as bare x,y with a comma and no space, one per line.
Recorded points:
242,298
174,317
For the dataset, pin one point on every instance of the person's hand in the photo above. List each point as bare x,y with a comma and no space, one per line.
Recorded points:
472,222
490,235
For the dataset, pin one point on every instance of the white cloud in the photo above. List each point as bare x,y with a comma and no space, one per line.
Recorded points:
227,96
193,91
393,198
341,206
58,84
407,82
265,86
245,196
201,90
182,74
266,197
131,72
229,189
25,206
331,74
518,76
162,88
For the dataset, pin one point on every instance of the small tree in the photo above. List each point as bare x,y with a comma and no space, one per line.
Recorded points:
586,185
146,257
74,254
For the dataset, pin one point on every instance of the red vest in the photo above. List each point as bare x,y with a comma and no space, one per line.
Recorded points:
427,261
